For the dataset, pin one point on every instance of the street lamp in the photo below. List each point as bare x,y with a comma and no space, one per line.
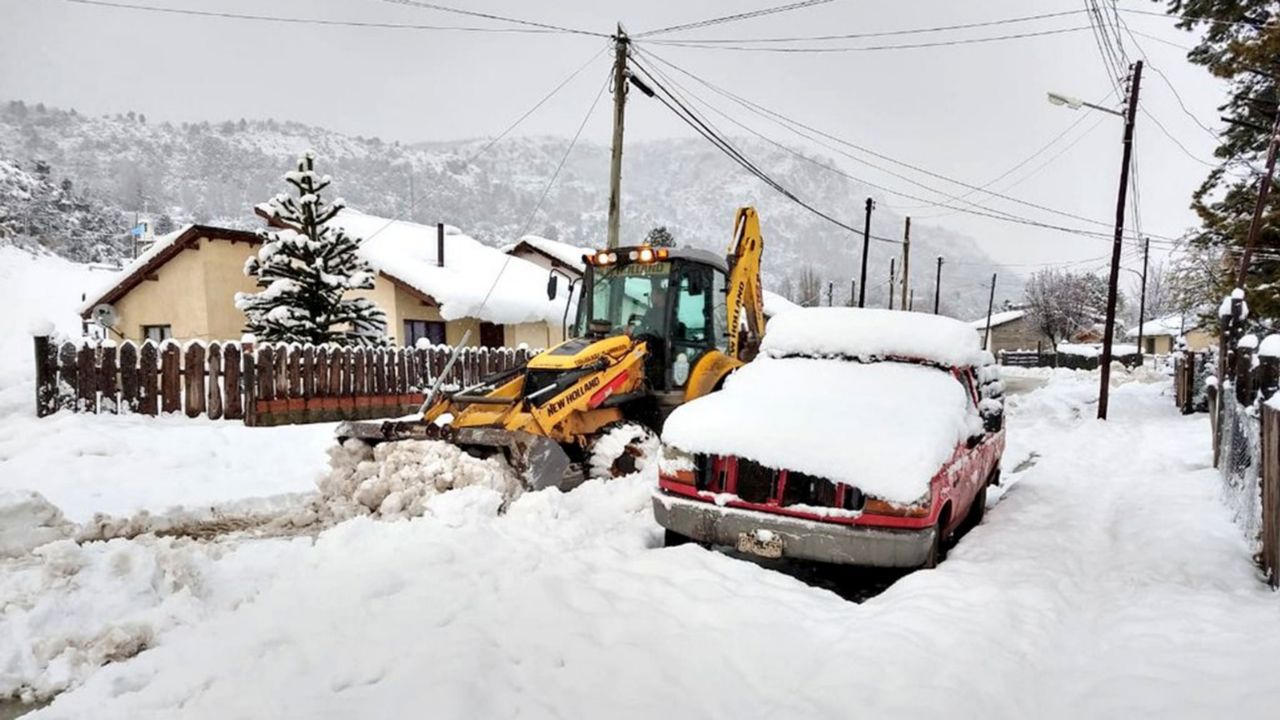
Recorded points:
1076,103
1129,114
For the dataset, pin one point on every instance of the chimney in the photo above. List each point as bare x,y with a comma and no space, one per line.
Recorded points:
439,244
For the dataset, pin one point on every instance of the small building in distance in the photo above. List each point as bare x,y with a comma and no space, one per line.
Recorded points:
1012,330
1160,336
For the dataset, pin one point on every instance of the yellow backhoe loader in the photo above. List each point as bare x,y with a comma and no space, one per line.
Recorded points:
656,328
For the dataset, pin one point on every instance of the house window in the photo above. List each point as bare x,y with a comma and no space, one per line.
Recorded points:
157,333
430,330
491,335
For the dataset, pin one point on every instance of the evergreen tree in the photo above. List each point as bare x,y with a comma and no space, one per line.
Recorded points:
660,237
1240,43
164,224
306,269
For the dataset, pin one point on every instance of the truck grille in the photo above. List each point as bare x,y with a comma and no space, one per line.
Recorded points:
755,481
804,489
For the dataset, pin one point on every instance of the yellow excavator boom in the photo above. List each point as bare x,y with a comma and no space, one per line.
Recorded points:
746,296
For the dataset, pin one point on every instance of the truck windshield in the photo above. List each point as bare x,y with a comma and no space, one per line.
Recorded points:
628,296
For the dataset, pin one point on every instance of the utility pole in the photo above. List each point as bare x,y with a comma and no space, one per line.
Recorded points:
621,44
866,247
1142,297
853,292
831,294
911,303
991,301
1264,187
937,287
906,263
1130,113
890,283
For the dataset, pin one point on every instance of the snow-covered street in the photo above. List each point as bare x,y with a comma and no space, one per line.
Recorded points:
1108,580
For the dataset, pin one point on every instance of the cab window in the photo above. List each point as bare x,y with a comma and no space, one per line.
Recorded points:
694,305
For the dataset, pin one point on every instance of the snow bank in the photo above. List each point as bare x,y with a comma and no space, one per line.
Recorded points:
775,304
870,333
407,251
885,427
27,521
120,465
398,479
70,609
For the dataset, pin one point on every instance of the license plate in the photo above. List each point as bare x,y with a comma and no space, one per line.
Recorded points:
763,543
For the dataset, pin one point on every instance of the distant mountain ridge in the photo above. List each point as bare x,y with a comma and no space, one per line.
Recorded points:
216,172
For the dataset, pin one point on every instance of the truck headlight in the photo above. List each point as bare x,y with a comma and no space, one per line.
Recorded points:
676,464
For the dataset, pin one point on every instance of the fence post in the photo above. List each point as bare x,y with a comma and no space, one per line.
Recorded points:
213,400
108,384
129,387
46,377
148,374
86,369
236,385
1244,369
1270,478
170,377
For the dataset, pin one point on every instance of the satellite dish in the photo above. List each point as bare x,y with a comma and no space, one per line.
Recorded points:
105,315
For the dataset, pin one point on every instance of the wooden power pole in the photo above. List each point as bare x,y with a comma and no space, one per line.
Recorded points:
621,44
991,301
1108,334
1142,296
866,247
891,278
906,263
937,287
1264,187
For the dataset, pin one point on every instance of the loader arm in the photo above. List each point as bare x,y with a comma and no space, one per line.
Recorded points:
746,299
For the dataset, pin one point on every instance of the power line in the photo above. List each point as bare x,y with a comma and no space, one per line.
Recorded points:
980,210
1174,140
885,33
1193,18
491,16
702,127
990,212
303,21
871,48
734,17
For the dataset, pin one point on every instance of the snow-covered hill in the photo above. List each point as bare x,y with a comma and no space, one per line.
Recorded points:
217,171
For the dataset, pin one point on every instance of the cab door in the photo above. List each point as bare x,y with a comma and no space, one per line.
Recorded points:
697,323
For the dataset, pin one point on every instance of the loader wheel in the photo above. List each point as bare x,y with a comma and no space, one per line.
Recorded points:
622,449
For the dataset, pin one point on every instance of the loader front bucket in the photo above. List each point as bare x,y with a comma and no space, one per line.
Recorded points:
539,461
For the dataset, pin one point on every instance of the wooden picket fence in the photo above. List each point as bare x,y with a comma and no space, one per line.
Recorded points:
262,385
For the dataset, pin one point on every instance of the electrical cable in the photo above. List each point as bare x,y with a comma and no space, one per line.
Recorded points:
871,48
883,33
304,21
734,17
491,16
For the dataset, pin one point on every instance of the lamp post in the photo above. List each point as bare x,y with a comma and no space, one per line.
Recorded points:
1129,114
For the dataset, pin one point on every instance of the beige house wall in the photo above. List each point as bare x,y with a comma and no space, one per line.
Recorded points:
1198,340
175,298
223,263
535,335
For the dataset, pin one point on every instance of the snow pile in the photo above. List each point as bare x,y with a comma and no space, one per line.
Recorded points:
885,427
27,521
406,251
70,609
869,334
398,479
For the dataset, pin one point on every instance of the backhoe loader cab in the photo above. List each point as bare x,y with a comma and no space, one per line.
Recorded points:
674,300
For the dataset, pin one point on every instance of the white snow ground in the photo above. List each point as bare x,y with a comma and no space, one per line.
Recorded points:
1108,582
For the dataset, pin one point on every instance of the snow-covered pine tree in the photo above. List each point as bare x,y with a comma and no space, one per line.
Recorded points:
305,271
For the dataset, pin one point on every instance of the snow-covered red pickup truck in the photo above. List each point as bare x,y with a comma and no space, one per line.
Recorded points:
862,437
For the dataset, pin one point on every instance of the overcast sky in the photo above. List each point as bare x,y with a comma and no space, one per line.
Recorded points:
969,111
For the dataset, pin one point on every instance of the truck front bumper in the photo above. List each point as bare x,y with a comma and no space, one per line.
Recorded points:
799,538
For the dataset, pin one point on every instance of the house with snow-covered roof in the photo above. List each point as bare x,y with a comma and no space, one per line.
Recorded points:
554,256
433,286
1160,335
1012,330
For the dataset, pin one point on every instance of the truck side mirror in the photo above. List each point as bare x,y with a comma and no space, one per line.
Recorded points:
552,282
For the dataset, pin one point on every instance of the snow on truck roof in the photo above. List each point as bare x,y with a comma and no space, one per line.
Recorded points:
884,427
868,334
